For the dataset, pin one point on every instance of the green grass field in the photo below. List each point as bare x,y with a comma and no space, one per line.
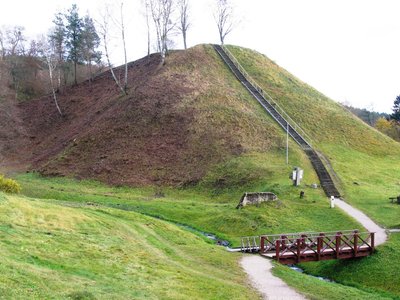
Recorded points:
53,251
208,213
205,209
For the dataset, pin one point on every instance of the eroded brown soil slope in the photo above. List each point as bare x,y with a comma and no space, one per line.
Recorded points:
177,121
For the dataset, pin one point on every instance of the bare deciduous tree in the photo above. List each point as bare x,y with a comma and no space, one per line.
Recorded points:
57,39
122,26
2,45
223,16
146,4
184,23
14,39
104,25
161,12
50,55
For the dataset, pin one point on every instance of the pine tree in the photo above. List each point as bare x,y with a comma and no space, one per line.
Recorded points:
396,110
90,41
74,37
57,39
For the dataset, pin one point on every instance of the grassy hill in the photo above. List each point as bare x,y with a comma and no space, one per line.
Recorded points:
192,140
365,161
177,121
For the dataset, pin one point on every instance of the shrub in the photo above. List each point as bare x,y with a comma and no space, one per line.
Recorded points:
9,185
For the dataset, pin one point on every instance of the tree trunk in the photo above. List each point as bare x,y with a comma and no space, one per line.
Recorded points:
111,69
184,39
60,66
124,45
75,81
52,86
89,69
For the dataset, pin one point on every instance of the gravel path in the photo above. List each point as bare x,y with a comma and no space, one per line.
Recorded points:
259,272
380,233
260,275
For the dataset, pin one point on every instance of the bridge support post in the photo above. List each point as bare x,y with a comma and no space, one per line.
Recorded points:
277,250
355,244
303,241
337,242
283,242
262,240
298,242
372,242
319,246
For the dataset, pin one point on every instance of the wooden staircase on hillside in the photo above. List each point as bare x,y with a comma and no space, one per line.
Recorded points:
283,119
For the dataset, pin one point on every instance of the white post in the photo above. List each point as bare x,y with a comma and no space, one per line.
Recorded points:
332,202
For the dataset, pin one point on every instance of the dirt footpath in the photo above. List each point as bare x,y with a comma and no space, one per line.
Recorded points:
260,275
380,233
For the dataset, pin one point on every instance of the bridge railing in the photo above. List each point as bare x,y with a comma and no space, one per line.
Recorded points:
315,248
250,244
278,108
267,242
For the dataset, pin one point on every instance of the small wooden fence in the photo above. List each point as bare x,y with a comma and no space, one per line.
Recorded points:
303,247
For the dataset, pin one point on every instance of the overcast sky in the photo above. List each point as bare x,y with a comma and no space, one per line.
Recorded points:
347,49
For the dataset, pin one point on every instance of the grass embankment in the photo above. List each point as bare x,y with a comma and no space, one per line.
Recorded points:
379,272
213,214
317,289
53,250
209,210
365,160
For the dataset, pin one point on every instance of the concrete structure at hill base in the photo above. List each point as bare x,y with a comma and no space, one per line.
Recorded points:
256,198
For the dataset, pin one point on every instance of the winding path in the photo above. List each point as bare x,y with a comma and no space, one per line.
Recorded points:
364,220
259,269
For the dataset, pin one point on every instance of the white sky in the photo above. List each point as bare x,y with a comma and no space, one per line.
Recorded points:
347,49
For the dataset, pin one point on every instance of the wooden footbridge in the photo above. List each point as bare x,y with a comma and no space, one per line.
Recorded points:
295,248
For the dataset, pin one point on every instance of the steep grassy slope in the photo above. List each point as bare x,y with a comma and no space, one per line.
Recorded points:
365,160
52,251
326,121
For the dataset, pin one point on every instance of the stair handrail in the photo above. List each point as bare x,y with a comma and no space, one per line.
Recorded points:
288,119
335,178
